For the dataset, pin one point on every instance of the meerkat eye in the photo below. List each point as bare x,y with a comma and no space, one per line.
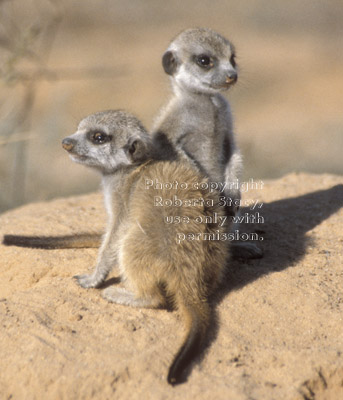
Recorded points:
233,60
99,137
204,61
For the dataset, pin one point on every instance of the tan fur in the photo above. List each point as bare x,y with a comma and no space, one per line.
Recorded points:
153,265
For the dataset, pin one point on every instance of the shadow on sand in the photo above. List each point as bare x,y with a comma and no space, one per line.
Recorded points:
284,243
286,223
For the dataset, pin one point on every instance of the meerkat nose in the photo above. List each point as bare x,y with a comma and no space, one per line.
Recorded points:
68,143
231,77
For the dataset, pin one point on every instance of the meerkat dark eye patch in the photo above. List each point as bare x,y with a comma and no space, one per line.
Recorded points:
99,137
204,61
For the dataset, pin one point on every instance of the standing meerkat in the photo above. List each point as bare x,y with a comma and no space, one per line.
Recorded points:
157,260
201,65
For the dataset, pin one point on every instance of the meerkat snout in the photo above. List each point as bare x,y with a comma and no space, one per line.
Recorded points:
68,144
231,78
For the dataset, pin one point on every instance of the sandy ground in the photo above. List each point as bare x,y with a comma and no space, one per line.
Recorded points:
279,329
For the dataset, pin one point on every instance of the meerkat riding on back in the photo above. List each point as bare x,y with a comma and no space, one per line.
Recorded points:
202,64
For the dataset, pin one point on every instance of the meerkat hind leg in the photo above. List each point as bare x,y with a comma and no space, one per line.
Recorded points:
121,295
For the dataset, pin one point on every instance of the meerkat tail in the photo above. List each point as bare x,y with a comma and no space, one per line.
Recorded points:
54,242
197,317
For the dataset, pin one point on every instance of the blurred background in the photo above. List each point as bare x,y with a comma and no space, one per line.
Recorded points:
61,60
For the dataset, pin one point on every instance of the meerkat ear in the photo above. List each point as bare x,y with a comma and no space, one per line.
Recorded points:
169,62
136,150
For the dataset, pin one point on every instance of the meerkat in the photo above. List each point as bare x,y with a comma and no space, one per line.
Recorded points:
202,64
157,260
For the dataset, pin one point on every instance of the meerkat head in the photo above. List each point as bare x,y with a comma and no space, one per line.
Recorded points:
201,61
108,141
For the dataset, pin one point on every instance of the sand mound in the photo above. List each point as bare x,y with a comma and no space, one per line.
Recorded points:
279,333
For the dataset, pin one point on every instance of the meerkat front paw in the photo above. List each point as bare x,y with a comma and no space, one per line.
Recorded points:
88,281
